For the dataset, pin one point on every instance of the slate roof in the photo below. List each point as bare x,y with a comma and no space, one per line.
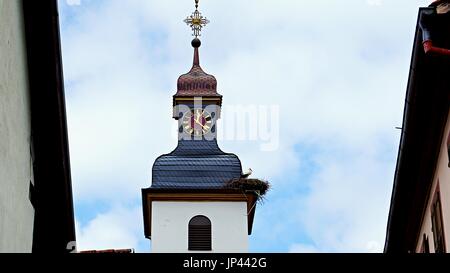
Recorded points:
195,164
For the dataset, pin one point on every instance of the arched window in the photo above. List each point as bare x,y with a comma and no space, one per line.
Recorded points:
200,234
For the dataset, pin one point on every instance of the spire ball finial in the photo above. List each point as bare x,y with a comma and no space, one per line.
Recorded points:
196,43
196,4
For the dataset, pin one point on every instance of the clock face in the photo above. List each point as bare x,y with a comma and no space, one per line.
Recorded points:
197,122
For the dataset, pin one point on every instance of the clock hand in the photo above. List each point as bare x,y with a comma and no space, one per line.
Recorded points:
198,122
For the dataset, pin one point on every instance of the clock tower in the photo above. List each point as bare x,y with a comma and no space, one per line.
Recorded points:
198,200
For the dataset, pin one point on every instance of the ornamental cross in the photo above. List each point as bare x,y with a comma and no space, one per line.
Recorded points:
196,21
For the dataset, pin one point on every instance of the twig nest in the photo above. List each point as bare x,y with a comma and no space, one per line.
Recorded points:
250,185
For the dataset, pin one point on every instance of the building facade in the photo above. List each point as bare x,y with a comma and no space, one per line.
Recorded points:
36,209
436,218
419,217
16,172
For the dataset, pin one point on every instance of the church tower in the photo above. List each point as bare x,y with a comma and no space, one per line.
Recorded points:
196,201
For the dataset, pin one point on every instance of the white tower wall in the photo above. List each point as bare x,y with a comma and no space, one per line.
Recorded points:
170,221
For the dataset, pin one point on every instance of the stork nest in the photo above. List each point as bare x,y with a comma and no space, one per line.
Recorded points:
246,184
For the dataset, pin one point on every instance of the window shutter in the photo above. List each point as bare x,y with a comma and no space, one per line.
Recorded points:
437,225
448,149
200,234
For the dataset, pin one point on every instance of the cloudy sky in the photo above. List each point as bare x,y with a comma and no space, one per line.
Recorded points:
335,70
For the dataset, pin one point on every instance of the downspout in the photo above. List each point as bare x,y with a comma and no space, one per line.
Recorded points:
425,22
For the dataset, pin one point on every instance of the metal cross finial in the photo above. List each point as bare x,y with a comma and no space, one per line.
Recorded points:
196,21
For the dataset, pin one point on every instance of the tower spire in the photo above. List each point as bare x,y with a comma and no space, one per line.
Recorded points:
197,82
196,43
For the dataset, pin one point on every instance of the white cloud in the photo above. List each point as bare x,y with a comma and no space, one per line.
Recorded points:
374,247
346,208
73,2
303,248
336,70
374,2
116,229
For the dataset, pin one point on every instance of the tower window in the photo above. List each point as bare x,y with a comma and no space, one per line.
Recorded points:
437,225
200,234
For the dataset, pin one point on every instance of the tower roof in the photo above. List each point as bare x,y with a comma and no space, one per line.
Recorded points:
197,82
195,165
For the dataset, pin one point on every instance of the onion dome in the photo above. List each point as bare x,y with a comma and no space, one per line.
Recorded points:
196,82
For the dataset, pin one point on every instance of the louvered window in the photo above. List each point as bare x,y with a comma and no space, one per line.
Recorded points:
437,225
200,234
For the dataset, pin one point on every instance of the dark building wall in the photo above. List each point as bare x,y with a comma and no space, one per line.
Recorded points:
51,195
